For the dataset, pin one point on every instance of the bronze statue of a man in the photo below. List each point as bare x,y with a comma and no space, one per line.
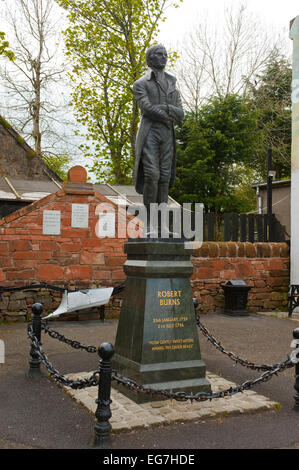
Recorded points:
160,106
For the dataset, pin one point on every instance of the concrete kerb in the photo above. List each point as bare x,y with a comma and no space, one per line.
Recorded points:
281,315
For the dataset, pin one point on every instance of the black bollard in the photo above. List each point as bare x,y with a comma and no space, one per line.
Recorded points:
103,412
37,310
296,386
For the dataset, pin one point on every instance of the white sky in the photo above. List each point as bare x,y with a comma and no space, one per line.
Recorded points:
276,14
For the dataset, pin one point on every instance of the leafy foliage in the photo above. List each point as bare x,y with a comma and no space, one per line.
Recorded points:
106,41
214,150
59,164
271,98
4,47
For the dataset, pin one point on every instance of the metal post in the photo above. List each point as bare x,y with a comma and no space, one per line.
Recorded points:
102,312
103,412
269,195
37,310
195,303
269,182
296,386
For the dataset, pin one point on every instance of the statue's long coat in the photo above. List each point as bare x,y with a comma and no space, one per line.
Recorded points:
148,92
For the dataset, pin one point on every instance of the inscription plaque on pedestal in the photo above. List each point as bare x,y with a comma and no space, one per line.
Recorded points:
157,338
51,222
169,329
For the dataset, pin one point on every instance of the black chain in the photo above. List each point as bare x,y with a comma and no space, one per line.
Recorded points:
179,396
75,384
203,329
270,370
232,355
201,396
118,289
74,344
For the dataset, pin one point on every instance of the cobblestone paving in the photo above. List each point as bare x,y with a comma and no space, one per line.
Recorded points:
127,415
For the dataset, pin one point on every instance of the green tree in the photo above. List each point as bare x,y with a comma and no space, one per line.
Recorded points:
243,195
106,41
271,98
59,164
214,149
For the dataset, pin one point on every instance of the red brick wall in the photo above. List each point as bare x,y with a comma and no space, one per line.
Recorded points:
263,266
76,258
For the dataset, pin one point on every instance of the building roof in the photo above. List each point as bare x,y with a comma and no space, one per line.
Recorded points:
274,183
26,190
32,190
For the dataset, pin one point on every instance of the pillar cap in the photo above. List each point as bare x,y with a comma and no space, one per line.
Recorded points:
106,351
77,181
77,174
37,309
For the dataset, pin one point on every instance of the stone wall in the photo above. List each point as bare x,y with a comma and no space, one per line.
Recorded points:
263,266
78,258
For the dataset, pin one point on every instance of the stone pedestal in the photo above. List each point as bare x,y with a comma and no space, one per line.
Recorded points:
157,338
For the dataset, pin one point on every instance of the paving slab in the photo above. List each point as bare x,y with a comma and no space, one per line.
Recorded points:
39,414
128,415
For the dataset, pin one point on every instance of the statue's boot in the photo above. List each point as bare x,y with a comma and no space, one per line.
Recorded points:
150,196
163,191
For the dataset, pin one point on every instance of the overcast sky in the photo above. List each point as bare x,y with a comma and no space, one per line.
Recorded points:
276,14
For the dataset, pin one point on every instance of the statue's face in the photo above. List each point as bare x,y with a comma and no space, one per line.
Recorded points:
158,58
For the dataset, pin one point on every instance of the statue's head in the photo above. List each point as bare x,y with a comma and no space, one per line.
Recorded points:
156,56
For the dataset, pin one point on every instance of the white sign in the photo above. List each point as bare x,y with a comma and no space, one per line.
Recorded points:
72,301
106,225
2,352
80,215
51,222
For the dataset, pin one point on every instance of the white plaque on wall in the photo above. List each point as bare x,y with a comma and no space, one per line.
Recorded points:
106,225
80,215
51,222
